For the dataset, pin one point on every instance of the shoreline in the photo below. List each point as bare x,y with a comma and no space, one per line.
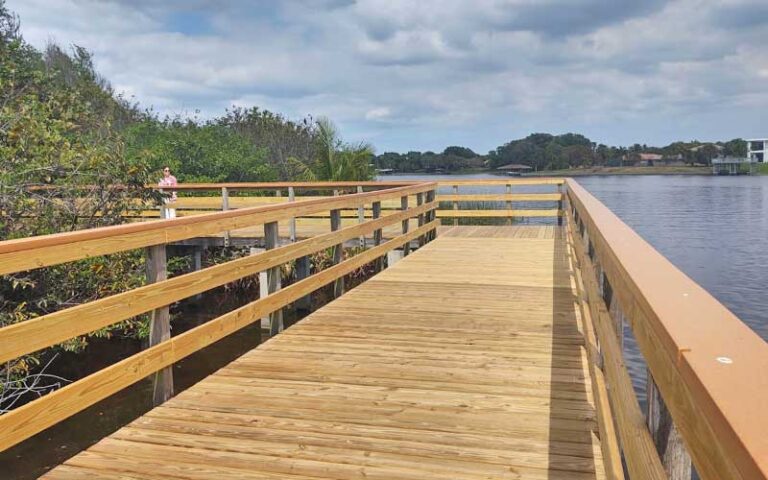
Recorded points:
579,172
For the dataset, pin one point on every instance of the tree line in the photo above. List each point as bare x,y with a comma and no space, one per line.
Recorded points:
543,151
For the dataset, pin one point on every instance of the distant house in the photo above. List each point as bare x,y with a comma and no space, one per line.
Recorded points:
652,159
757,149
514,169
642,159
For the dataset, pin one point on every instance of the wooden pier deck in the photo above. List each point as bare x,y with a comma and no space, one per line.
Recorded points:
465,360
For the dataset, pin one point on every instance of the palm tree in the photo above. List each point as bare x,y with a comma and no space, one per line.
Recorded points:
336,160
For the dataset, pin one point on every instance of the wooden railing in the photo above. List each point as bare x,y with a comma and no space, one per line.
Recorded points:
51,329
504,203
500,204
707,386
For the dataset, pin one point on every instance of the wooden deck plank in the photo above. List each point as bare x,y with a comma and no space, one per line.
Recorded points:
464,360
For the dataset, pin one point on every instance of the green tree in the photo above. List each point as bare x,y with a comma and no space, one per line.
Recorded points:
210,152
336,160
735,148
62,168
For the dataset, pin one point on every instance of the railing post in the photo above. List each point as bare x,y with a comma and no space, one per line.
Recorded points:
420,202
431,215
560,204
361,216
508,191
378,265
271,240
292,221
303,304
197,264
455,205
160,323
406,222
225,207
338,251
669,442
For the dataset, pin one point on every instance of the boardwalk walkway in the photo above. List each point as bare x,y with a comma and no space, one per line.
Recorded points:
462,361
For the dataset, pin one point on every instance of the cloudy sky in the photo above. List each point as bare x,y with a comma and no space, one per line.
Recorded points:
423,74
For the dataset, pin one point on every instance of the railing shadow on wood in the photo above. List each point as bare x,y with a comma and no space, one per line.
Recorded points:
707,371
51,329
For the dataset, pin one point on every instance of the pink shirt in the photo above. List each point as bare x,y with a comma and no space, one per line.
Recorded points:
169,181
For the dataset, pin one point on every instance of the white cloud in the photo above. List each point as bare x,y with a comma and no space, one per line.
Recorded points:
378,113
421,75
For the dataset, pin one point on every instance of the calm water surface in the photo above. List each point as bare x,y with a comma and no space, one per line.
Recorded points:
715,229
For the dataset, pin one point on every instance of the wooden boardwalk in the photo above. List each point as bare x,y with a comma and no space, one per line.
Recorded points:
465,360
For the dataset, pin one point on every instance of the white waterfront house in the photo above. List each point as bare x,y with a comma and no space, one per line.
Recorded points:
757,150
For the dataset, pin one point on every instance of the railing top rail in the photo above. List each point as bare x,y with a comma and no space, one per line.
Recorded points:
283,185
104,240
722,362
262,185
504,181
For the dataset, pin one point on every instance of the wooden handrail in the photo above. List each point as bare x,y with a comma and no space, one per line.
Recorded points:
253,185
46,250
710,368
641,457
51,329
530,213
506,181
286,185
39,414
502,197
29,336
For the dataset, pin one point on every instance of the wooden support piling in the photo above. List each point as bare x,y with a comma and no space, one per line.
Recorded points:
160,323
420,202
455,204
338,251
377,235
304,304
271,240
404,206
509,202
431,215
225,207
292,221
361,216
669,442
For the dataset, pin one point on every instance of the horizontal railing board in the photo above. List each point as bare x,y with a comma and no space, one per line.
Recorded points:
498,213
240,202
249,185
46,250
502,182
501,197
41,332
27,420
719,408
345,213
286,185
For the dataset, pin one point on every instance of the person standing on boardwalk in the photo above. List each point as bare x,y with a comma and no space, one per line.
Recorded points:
168,180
